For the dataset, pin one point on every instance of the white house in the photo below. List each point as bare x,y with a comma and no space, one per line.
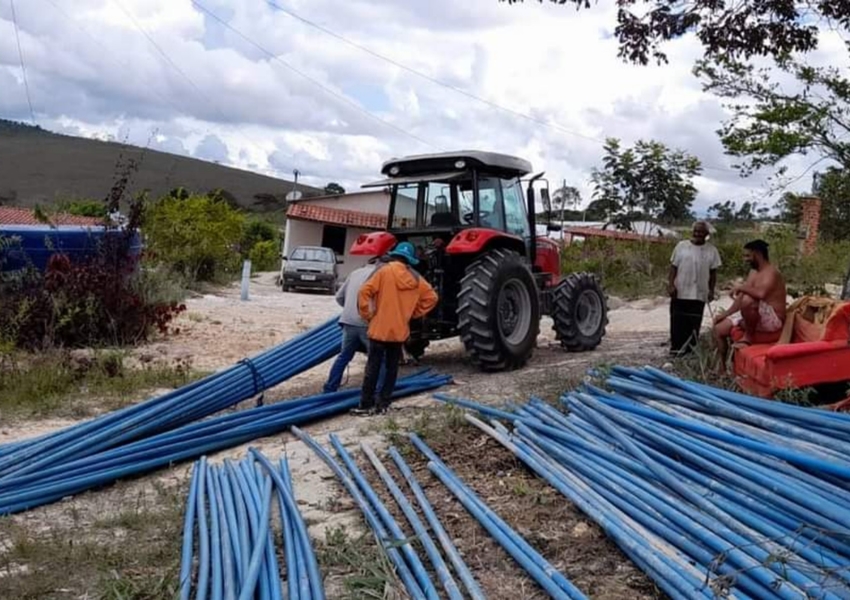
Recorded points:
335,222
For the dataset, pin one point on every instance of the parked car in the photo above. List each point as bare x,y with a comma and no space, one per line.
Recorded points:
310,267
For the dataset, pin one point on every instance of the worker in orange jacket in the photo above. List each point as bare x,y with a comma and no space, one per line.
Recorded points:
387,301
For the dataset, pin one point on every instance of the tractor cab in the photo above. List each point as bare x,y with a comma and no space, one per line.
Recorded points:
436,197
472,217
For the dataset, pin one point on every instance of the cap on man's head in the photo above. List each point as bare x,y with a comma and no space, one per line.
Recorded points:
406,251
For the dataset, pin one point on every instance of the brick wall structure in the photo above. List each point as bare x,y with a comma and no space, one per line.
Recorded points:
810,223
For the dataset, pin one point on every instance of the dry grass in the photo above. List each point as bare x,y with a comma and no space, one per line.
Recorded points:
55,384
130,551
548,521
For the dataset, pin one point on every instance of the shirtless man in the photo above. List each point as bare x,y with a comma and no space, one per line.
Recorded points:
759,303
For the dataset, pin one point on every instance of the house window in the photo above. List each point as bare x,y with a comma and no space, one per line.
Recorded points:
333,237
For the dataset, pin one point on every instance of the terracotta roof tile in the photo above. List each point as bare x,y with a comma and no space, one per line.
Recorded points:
12,215
336,216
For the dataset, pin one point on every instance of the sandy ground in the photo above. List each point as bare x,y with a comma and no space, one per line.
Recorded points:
218,330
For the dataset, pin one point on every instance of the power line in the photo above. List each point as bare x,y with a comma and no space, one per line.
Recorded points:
449,86
205,97
425,76
21,57
108,53
312,80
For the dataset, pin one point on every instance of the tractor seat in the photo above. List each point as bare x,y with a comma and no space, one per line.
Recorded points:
444,219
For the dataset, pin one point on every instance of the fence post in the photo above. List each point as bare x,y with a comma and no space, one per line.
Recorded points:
246,276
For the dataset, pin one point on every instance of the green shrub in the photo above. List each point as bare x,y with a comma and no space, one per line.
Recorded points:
84,208
265,256
197,236
258,230
634,269
627,269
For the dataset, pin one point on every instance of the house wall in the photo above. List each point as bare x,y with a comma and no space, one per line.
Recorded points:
377,202
309,233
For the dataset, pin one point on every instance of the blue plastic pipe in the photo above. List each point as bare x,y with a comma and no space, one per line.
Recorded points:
440,566
377,526
465,575
189,535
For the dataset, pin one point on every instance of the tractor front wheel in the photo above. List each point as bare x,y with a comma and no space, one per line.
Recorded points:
498,311
579,312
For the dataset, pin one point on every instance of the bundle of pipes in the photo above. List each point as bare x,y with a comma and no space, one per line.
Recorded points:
232,507
195,401
709,492
409,565
189,441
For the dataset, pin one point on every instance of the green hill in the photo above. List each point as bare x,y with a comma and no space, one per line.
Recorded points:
40,167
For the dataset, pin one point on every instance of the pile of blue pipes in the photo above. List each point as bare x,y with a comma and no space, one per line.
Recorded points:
171,428
47,468
710,492
184,443
228,539
451,574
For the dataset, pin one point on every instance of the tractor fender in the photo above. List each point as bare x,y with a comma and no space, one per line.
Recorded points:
477,239
373,244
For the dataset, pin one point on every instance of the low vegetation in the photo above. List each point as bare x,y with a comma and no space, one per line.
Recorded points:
634,269
81,383
129,549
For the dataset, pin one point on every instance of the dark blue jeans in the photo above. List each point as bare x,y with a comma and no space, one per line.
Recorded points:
354,340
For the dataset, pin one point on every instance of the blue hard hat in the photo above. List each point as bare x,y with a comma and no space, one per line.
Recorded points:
406,251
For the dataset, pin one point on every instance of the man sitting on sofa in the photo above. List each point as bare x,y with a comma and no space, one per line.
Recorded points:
759,303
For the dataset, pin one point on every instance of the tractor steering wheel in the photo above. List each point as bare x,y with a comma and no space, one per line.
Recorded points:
467,217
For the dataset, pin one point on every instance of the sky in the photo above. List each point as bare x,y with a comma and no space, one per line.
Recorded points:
245,84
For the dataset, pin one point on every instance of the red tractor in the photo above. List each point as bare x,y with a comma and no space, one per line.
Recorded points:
476,236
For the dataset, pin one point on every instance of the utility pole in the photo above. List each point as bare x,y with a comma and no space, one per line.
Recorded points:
296,172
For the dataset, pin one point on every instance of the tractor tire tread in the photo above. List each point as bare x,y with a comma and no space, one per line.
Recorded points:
480,338
564,320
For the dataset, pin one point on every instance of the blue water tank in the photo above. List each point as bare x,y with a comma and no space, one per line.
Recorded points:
25,245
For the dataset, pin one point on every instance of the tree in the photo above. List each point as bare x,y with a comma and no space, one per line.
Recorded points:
790,208
834,194
724,28
334,189
647,181
565,200
197,236
729,212
772,121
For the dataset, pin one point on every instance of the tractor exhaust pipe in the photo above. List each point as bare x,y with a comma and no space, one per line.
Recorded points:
532,217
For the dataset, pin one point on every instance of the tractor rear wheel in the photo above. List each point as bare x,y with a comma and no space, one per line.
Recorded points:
579,312
498,311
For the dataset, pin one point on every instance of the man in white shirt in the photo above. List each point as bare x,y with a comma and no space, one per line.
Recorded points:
692,279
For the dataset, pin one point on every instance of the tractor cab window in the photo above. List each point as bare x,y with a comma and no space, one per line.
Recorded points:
426,204
438,206
490,211
515,211
404,215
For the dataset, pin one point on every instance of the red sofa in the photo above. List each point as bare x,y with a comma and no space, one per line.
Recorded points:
814,356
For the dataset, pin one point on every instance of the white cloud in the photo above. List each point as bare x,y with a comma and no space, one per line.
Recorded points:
92,71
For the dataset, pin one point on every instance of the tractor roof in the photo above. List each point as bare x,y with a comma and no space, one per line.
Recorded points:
446,162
